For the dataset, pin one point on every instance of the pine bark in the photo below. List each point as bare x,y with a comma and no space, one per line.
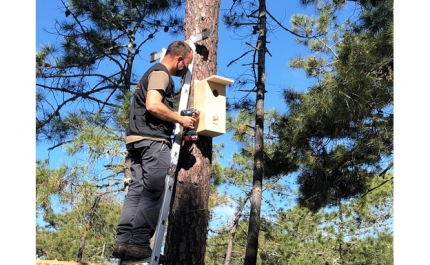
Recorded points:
189,215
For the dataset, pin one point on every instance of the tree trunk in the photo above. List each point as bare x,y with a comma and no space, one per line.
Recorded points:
233,232
90,222
257,182
189,215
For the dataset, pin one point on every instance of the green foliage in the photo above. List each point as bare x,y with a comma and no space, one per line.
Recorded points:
64,201
355,231
83,90
242,126
62,243
238,182
336,137
78,201
94,33
340,131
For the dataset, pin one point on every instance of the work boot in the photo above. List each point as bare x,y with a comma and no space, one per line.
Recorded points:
138,253
119,251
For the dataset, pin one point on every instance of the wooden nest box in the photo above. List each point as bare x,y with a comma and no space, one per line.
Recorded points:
210,100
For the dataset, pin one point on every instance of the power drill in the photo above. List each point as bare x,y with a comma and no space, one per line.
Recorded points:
189,135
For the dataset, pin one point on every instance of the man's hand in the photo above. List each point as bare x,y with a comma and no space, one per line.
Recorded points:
187,122
196,114
189,119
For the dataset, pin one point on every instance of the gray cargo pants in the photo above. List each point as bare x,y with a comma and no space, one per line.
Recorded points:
150,161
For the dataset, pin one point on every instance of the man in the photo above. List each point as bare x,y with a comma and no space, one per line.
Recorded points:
148,141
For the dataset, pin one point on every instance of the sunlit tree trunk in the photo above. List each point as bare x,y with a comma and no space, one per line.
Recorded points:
189,216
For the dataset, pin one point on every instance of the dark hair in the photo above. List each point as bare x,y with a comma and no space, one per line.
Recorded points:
178,48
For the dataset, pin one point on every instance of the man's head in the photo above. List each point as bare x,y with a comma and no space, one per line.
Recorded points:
178,57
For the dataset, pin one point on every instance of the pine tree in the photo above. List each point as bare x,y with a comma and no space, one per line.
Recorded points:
316,141
356,231
230,247
83,94
340,131
79,220
258,19
189,215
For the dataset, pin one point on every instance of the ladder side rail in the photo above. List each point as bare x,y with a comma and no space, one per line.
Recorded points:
162,220
165,209
170,178
168,186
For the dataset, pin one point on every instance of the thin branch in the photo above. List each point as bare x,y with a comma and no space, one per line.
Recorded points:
374,188
59,144
286,29
237,59
382,174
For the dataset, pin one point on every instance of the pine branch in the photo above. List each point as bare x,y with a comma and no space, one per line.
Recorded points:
382,174
374,188
237,59
290,31
59,144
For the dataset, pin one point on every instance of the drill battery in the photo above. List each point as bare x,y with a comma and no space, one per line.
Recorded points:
190,136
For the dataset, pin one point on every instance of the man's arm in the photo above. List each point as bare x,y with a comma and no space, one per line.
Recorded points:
156,107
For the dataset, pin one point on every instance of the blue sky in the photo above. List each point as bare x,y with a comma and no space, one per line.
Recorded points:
279,75
21,35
